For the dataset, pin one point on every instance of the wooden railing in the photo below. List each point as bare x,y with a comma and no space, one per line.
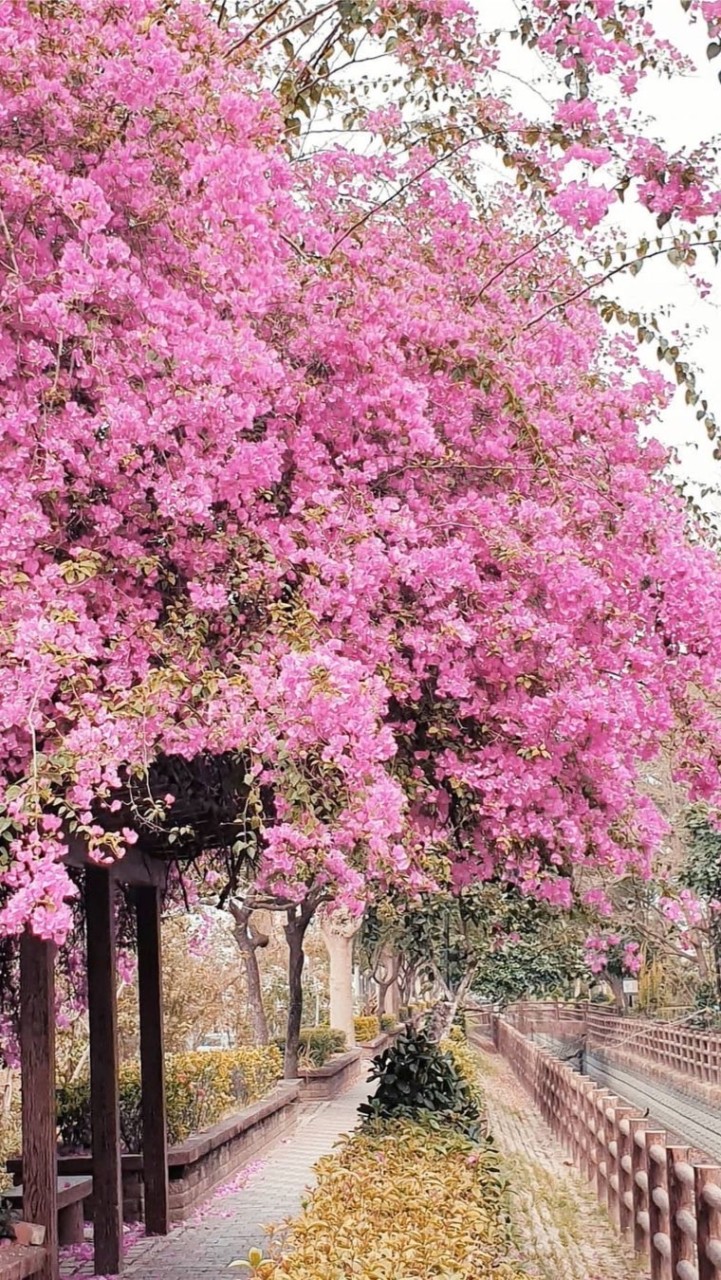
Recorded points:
695,1054
480,1020
670,1045
670,1207
545,1015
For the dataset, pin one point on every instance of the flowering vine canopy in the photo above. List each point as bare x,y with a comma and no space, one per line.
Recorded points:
342,487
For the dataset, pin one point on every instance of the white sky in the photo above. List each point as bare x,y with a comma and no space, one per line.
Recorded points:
681,111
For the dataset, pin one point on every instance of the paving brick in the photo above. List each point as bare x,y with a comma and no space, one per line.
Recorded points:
234,1221
561,1231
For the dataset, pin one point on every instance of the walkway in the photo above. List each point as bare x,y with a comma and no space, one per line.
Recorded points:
234,1220
560,1230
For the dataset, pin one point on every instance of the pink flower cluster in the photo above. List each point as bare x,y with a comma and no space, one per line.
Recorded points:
354,497
610,952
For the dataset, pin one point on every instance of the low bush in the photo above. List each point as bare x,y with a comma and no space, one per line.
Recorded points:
399,1201
201,1089
10,1135
317,1045
388,1022
464,1060
416,1076
459,1022
366,1028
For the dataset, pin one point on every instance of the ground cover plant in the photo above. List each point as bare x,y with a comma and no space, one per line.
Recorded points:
401,1200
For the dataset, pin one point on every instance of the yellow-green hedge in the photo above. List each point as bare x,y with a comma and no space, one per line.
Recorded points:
201,1089
465,1062
366,1028
400,1201
10,1139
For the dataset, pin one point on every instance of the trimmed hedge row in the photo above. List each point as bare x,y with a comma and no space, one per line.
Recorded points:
317,1045
201,1088
366,1028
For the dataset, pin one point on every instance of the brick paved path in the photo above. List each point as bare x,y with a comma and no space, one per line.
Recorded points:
560,1229
233,1221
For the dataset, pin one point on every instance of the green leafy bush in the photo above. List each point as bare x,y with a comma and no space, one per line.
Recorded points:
366,1028
317,1045
201,1088
388,1022
459,1022
416,1076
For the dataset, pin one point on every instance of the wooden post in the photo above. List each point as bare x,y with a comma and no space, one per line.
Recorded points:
640,1186
104,1107
37,1054
601,1101
152,1064
610,1143
658,1224
680,1208
616,1183
707,1192
627,1198
587,1166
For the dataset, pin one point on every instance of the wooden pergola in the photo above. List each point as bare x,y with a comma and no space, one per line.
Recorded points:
209,793
37,1051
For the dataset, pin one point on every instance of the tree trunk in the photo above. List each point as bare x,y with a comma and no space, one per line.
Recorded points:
339,930
388,992
249,940
406,981
440,1018
616,984
297,921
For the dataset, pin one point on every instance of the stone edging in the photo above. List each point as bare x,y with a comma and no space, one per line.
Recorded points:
320,1084
200,1163
382,1041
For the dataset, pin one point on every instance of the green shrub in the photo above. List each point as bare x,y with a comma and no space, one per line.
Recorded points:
408,1011
388,1022
465,1062
317,1045
366,1028
397,1200
459,1022
201,1088
416,1076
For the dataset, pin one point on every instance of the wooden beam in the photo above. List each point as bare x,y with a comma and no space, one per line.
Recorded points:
152,1062
37,1057
105,1112
134,867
